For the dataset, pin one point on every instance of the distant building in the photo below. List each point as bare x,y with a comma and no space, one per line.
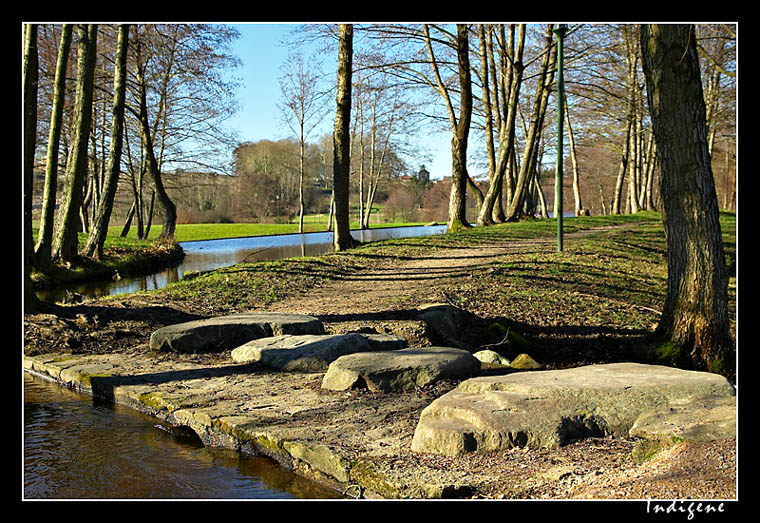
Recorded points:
423,175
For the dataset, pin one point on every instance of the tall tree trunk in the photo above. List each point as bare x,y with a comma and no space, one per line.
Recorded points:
30,86
342,239
491,211
45,235
487,108
574,161
66,241
301,169
97,237
168,208
461,130
694,324
618,195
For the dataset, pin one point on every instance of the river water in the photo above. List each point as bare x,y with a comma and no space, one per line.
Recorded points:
77,448
208,255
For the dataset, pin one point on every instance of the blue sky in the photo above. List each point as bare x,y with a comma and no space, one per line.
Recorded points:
262,52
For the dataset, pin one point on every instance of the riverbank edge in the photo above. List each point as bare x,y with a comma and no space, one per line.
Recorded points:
349,475
117,263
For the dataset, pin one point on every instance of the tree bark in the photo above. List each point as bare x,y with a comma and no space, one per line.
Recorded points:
97,237
694,326
45,235
618,195
574,161
66,239
342,239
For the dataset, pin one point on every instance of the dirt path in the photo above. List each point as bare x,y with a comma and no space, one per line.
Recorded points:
412,281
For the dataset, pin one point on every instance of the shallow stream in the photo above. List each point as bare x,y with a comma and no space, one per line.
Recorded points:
77,448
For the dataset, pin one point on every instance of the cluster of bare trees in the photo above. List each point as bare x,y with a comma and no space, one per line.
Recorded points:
120,103
491,85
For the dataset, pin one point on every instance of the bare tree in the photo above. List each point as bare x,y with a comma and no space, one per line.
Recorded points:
460,124
533,135
694,325
303,109
506,89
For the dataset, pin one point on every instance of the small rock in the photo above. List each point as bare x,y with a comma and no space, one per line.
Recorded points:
525,362
491,357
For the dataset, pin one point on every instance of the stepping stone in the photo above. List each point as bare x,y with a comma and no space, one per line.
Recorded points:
399,370
227,332
553,407
311,353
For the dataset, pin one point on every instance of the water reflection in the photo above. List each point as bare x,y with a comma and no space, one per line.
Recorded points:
77,449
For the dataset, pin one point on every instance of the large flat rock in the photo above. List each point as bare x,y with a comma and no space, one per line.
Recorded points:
227,332
551,408
311,353
399,370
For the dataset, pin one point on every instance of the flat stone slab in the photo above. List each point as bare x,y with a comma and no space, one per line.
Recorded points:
227,332
554,407
701,419
311,353
399,370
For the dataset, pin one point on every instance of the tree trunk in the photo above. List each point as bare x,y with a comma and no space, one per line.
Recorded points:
45,234
128,221
168,208
458,196
536,125
574,161
618,195
491,210
694,326
30,86
66,240
300,181
342,239
97,237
